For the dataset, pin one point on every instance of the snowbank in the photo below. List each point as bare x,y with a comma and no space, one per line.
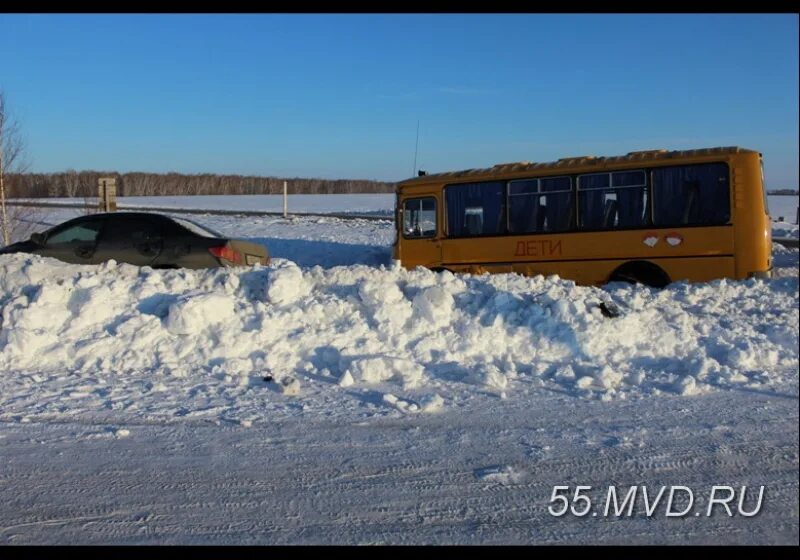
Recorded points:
362,327
785,229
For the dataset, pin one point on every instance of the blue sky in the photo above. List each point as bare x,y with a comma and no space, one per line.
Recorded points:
339,96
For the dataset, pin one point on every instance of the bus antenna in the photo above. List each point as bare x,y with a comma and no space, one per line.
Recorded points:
416,148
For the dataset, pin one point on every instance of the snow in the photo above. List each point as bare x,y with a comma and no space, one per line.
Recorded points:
195,312
334,397
483,475
286,285
501,474
782,229
374,326
784,207
374,370
289,386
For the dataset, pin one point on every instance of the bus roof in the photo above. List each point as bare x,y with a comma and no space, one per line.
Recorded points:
572,163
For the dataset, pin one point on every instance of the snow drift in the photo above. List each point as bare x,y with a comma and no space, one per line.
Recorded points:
393,329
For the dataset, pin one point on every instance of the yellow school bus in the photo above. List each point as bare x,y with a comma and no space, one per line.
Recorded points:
653,217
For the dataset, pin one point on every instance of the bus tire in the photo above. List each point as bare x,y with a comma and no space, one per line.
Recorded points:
641,272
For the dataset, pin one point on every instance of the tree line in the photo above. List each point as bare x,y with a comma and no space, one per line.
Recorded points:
790,192
73,183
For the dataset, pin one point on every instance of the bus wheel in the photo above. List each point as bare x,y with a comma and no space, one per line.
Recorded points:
641,272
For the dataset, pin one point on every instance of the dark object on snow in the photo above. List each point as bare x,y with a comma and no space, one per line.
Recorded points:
141,239
609,310
267,378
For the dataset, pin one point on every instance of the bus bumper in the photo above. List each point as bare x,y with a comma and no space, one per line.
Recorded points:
761,274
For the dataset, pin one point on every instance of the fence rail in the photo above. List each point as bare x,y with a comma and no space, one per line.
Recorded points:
165,209
786,241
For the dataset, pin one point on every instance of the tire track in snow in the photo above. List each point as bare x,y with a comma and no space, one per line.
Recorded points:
389,482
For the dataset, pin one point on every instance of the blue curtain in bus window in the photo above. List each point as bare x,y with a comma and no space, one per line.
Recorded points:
592,202
523,206
670,201
691,195
558,204
631,207
715,204
631,201
475,209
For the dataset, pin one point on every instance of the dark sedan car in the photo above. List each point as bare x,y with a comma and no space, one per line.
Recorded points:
141,239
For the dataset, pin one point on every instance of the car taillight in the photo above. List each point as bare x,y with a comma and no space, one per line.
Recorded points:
225,252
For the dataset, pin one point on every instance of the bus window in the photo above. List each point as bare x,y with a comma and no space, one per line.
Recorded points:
525,211
631,187
475,209
419,217
473,220
691,195
540,205
613,200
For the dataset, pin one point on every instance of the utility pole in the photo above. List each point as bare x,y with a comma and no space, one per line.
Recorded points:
285,200
107,192
416,147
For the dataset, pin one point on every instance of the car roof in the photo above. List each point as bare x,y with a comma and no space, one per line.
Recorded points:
130,215
145,215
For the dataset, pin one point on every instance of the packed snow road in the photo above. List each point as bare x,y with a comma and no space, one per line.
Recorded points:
478,475
355,402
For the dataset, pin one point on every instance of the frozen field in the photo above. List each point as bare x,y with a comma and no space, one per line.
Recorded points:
331,398
783,206
379,204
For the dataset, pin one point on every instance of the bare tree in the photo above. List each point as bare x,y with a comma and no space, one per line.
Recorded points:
11,155
71,183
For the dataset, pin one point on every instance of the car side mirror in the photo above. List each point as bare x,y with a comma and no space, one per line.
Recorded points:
38,238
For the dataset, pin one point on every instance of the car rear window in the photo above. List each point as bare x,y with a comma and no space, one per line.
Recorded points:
196,228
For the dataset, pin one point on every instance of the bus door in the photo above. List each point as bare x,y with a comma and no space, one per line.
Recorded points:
421,244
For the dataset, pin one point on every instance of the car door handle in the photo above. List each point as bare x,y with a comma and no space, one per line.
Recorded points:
84,251
149,248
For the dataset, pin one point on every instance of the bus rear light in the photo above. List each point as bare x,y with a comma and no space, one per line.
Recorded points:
227,253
